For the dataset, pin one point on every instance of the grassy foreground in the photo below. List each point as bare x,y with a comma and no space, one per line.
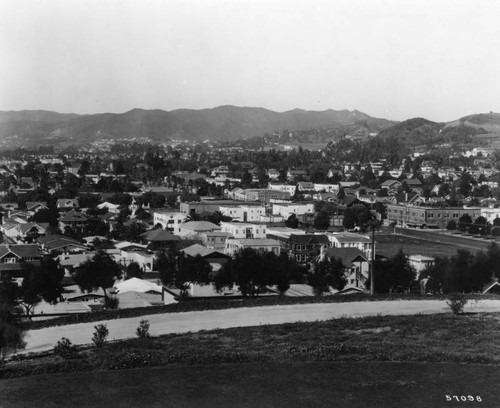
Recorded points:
469,338
305,384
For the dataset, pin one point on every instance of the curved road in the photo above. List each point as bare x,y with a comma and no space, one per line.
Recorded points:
45,339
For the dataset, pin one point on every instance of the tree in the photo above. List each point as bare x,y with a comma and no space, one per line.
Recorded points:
252,271
99,272
451,226
322,220
11,333
394,274
464,222
40,283
180,270
329,272
134,270
292,221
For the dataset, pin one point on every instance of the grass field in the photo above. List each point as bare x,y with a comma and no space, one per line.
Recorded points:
305,384
382,361
468,338
388,245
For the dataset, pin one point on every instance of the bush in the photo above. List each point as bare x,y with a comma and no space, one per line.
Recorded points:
100,335
457,302
111,302
143,329
65,349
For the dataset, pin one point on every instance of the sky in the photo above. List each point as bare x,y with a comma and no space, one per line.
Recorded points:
395,59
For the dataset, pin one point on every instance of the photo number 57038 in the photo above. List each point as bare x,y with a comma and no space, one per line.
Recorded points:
463,398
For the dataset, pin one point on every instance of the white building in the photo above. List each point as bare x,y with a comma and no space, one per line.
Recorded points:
244,230
268,245
491,214
351,240
243,213
195,229
287,209
283,187
327,188
420,263
169,220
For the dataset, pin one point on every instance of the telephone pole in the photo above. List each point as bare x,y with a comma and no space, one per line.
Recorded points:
372,263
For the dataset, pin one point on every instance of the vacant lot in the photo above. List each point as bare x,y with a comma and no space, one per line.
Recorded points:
305,384
389,245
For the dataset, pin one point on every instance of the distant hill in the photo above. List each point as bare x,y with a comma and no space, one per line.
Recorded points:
489,122
222,123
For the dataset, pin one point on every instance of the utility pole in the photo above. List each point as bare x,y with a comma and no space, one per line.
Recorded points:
372,262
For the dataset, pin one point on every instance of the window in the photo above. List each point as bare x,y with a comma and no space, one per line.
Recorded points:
10,260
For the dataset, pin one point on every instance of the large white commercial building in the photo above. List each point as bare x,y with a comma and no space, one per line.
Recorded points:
244,230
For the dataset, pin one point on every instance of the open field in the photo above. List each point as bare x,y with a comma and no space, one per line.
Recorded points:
323,384
428,245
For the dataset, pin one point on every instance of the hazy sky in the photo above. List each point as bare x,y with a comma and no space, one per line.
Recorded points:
389,58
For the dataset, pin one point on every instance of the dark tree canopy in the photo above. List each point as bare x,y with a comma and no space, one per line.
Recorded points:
11,333
41,283
326,273
253,271
99,272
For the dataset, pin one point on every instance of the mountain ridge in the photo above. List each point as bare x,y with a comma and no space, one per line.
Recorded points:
225,122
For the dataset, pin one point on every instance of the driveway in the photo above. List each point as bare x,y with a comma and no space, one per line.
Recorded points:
45,339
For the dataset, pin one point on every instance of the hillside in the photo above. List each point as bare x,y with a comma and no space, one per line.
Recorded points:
222,123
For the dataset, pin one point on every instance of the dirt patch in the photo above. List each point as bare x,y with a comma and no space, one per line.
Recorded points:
375,330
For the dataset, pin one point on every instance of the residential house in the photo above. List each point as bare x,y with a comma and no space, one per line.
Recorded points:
294,174
60,243
169,220
195,229
356,264
12,258
67,203
159,239
351,240
302,247
215,240
112,208
420,263
215,258
73,220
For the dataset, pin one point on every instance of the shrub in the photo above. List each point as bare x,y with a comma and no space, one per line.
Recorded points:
65,349
111,302
100,335
457,302
143,329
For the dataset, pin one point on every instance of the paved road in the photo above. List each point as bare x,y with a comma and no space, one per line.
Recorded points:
45,339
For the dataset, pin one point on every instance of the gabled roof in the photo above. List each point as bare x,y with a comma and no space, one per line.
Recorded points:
21,251
347,255
159,235
200,226
30,205
24,228
73,216
305,239
390,183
